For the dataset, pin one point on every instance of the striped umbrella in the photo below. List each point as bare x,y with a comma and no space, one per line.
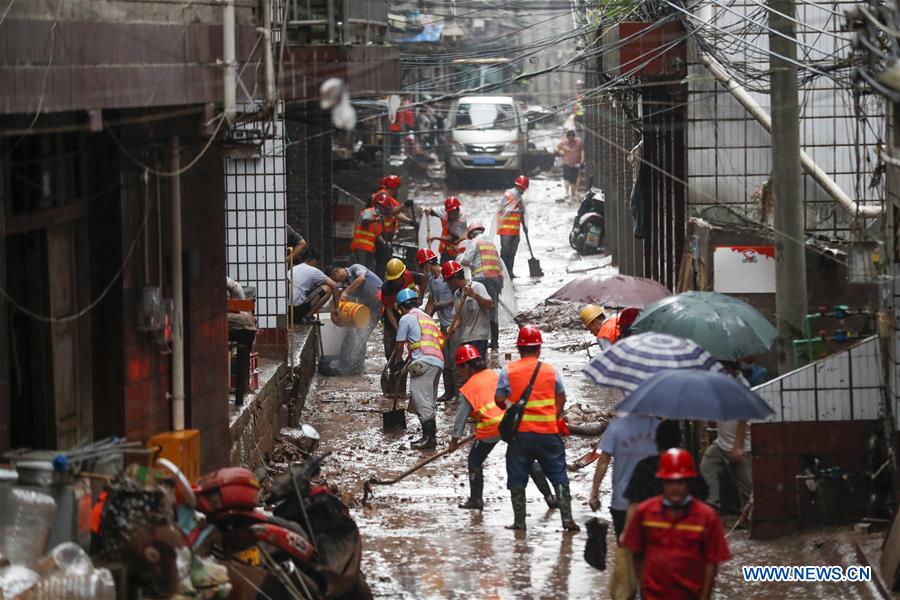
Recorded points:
635,359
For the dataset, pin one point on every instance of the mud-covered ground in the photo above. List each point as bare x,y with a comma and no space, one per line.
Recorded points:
418,544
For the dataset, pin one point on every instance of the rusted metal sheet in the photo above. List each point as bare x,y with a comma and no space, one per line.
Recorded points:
85,66
368,70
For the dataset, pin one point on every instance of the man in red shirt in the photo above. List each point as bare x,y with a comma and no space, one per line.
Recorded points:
678,541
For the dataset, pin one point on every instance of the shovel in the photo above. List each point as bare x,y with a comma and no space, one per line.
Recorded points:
534,265
367,486
393,384
394,419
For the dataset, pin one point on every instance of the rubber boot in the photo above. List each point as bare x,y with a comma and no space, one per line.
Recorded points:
429,436
565,508
450,387
518,503
475,501
495,335
540,480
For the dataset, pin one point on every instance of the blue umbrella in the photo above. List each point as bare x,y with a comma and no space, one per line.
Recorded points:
695,395
631,361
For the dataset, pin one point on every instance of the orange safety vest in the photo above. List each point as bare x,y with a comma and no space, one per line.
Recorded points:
479,390
490,261
540,409
609,330
364,235
451,249
509,219
391,225
431,340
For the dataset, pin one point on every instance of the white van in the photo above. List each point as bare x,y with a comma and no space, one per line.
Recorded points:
485,133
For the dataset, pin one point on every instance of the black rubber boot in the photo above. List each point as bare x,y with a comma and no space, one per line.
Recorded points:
429,436
476,483
495,335
518,503
540,480
565,508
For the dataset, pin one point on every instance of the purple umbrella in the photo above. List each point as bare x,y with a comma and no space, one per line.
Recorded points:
612,291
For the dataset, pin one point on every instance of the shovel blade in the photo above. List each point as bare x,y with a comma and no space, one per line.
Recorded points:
394,420
534,268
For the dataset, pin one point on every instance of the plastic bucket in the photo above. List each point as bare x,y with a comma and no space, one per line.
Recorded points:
353,314
332,335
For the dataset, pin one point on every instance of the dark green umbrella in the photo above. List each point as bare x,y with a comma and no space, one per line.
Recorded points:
727,328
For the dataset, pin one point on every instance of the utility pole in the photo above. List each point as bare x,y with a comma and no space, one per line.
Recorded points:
787,182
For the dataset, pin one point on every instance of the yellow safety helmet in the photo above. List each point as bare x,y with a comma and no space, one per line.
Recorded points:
591,312
395,268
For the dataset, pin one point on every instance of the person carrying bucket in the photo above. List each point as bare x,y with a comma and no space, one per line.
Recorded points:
477,401
360,289
421,334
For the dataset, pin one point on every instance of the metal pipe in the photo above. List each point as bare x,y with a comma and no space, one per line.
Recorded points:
177,291
346,19
764,119
228,57
332,31
268,54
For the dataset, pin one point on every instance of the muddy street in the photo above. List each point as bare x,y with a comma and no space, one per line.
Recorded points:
418,544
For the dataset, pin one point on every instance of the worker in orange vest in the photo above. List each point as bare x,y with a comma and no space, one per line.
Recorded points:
368,232
510,218
483,259
477,401
453,228
593,317
390,186
538,436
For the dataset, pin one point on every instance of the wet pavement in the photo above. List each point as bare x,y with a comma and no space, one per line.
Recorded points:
418,544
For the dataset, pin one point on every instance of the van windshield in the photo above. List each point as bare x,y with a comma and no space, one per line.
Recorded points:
473,115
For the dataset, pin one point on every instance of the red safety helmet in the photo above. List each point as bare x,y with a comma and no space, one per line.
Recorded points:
529,336
391,182
676,463
382,200
449,269
522,182
465,353
424,255
452,203
628,316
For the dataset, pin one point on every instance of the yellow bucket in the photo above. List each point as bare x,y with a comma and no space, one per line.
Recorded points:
353,314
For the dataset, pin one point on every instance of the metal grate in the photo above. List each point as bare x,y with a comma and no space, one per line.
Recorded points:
255,208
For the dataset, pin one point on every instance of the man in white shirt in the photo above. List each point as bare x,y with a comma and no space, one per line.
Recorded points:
310,289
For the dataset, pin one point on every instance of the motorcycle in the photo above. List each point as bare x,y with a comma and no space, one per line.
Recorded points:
589,228
307,540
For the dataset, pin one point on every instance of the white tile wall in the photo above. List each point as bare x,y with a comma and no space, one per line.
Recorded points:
255,204
844,386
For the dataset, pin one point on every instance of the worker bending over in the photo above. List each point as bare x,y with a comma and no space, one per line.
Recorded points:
453,228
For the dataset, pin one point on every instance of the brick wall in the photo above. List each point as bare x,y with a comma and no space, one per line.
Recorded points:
206,328
778,452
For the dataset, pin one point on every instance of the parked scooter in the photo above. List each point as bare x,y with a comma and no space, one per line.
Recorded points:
308,542
588,235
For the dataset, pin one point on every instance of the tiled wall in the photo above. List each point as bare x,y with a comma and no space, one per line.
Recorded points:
255,226
728,151
846,386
